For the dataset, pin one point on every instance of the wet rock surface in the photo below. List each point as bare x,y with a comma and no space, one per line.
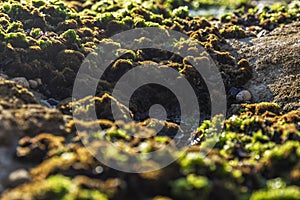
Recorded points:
275,58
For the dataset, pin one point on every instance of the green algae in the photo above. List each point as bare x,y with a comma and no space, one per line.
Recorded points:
117,134
233,32
17,39
15,27
44,43
59,187
108,17
181,12
241,165
291,193
269,17
70,35
258,150
191,187
35,32
38,3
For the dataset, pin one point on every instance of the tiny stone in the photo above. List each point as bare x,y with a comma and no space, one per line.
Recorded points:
33,84
21,81
39,81
243,96
18,177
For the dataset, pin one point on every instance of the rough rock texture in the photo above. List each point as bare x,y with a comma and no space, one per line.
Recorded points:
13,95
21,115
29,120
276,61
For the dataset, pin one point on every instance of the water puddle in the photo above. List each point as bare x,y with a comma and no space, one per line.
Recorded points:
218,11
211,11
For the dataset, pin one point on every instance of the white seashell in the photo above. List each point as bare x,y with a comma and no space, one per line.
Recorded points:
33,84
22,81
243,96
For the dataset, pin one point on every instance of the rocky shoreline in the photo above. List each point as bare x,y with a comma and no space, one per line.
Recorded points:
257,51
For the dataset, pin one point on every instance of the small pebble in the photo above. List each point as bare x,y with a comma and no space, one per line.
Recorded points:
243,96
39,81
18,177
33,84
21,81
99,169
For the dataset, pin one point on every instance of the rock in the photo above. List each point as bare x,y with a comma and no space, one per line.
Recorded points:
17,177
69,58
243,96
33,84
3,76
33,149
35,119
8,164
8,137
163,127
102,107
233,91
22,120
234,109
13,95
275,58
21,81
30,120
39,81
